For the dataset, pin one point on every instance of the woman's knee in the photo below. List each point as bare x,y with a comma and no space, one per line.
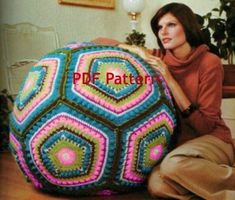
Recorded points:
173,165
156,186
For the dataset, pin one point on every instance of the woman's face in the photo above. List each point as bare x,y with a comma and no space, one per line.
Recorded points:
171,32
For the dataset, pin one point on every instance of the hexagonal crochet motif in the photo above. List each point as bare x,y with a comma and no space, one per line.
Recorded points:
75,133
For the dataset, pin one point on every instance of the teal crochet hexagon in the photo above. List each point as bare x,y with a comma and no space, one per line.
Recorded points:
91,119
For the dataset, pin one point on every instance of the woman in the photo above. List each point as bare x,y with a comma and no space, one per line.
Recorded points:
201,163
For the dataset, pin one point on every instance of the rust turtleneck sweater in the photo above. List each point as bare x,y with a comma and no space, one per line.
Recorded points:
200,76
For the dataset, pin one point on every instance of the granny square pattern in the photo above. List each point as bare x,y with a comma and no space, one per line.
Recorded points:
91,119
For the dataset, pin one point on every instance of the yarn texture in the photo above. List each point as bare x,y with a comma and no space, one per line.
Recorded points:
75,133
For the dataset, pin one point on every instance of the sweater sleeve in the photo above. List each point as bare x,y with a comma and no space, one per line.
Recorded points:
208,113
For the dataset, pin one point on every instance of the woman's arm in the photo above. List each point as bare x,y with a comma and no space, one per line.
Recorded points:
181,99
141,51
178,94
206,117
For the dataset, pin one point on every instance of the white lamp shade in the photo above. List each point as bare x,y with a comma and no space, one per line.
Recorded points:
135,6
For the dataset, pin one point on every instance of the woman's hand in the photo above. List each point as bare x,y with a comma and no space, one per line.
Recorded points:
181,99
158,64
154,61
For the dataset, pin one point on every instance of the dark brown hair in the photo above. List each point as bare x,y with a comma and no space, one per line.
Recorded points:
186,17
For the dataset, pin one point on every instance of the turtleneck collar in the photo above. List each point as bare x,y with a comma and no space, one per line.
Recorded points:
172,61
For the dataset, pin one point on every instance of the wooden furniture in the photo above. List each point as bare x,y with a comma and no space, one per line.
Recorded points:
229,81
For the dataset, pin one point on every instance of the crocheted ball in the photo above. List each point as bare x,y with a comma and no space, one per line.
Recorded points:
84,122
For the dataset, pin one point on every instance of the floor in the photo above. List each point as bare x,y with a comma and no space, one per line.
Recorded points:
14,187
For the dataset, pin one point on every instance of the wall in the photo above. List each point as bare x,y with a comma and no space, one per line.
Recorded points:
228,113
71,22
82,23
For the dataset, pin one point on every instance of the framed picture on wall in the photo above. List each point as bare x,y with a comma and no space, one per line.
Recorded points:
108,4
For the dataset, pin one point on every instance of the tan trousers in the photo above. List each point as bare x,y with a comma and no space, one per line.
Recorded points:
202,167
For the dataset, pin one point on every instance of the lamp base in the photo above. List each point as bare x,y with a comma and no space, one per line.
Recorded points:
133,24
134,15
